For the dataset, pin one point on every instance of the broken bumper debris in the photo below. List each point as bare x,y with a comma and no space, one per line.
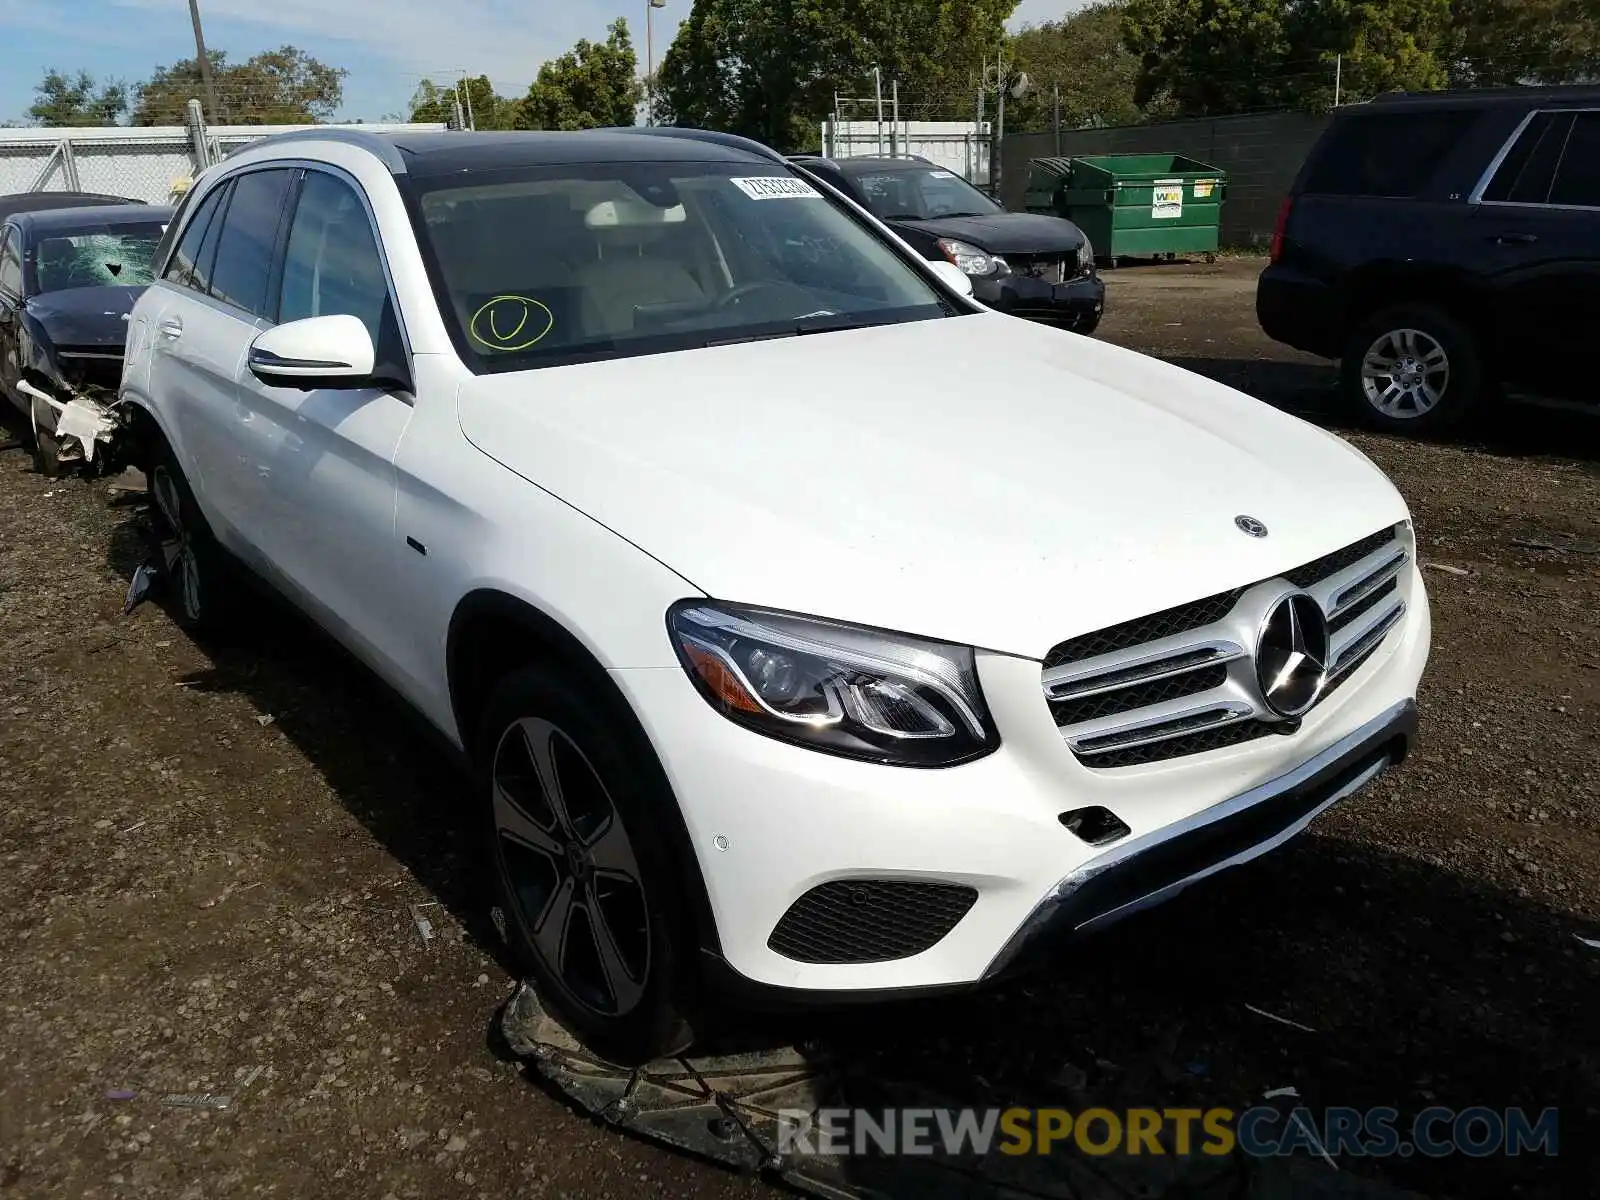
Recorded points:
80,423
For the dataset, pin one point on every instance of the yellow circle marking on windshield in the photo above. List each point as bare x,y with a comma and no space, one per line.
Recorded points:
499,309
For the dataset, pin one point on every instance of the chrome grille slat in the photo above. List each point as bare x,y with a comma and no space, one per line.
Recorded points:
1125,668
1351,643
1192,719
1134,692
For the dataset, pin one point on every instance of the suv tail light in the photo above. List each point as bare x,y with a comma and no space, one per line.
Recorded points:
1277,229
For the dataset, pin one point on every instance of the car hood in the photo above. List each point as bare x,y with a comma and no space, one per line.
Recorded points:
978,479
1006,233
91,316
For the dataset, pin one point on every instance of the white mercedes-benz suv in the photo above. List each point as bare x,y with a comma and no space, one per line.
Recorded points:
813,632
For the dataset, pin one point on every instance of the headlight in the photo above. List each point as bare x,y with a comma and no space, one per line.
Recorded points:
1085,257
837,688
970,258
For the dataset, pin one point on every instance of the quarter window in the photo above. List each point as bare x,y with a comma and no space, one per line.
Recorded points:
249,234
332,264
181,267
10,262
1578,178
1525,175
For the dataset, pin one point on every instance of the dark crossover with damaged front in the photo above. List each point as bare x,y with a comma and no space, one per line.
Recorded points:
68,280
1025,264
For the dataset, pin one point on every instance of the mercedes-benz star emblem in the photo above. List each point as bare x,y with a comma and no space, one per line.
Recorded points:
1250,525
1292,655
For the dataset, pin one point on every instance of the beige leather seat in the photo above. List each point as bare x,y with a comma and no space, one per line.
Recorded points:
634,268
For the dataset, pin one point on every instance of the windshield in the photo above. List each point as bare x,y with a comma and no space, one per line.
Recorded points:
559,264
96,256
922,194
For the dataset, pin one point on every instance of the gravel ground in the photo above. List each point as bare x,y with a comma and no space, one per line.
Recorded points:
211,860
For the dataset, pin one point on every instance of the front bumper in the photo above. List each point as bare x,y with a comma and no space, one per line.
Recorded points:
1076,302
768,822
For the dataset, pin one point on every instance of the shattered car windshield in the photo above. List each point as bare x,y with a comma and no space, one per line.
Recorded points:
557,264
103,256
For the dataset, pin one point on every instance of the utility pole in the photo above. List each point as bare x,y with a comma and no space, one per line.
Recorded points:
877,87
1338,77
466,86
1056,121
203,61
650,7
895,140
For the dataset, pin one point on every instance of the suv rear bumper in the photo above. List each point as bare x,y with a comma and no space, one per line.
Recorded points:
1299,311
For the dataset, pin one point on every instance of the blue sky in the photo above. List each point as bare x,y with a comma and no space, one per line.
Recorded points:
387,45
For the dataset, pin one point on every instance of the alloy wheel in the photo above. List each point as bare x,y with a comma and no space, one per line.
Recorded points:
1404,373
177,546
571,873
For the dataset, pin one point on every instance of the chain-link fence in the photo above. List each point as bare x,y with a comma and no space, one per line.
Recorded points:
151,165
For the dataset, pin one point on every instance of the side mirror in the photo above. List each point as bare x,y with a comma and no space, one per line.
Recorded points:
317,352
953,276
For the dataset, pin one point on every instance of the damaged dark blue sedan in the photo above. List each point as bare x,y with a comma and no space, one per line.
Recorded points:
68,280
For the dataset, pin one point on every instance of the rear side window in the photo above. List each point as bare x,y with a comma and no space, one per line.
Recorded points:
1529,166
181,266
249,234
1578,177
1387,153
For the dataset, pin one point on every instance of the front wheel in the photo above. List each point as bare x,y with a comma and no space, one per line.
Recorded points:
1412,369
584,882
200,580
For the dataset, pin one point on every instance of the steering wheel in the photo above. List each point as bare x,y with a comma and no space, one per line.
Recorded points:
740,290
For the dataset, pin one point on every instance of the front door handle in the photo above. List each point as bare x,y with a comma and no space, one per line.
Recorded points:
1514,239
171,327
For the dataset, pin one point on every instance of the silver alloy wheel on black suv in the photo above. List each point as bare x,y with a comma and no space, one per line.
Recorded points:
1412,368
1404,373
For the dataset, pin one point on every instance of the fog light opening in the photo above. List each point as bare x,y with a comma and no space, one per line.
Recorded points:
1096,825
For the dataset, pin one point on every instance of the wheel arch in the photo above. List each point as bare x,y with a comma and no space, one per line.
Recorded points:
1458,293
493,633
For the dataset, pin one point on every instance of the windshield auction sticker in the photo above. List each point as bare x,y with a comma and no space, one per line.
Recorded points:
776,187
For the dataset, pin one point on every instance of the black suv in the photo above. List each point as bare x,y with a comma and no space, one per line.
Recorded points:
1445,247
1025,264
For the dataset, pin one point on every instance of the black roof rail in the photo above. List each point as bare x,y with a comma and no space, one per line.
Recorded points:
378,144
731,140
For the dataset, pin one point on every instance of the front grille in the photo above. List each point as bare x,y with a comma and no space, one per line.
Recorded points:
1051,270
1182,681
1143,629
1142,695
869,920
1191,743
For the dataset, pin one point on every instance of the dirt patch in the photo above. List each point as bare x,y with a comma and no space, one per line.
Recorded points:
211,860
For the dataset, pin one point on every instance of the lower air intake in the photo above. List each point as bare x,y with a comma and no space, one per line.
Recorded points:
869,920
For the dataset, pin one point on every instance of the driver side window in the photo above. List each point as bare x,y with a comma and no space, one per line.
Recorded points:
332,265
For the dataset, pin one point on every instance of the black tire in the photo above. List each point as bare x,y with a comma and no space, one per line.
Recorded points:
203,588
1437,382
47,455
622,981
1087,325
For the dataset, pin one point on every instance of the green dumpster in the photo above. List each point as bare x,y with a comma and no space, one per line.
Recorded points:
1132,205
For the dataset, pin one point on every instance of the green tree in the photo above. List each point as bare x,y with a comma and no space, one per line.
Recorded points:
488,109
1494,43
277,87
769,69
1222,56
1082,56
77,100
592,86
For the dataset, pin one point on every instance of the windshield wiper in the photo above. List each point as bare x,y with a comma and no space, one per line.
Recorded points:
796,330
